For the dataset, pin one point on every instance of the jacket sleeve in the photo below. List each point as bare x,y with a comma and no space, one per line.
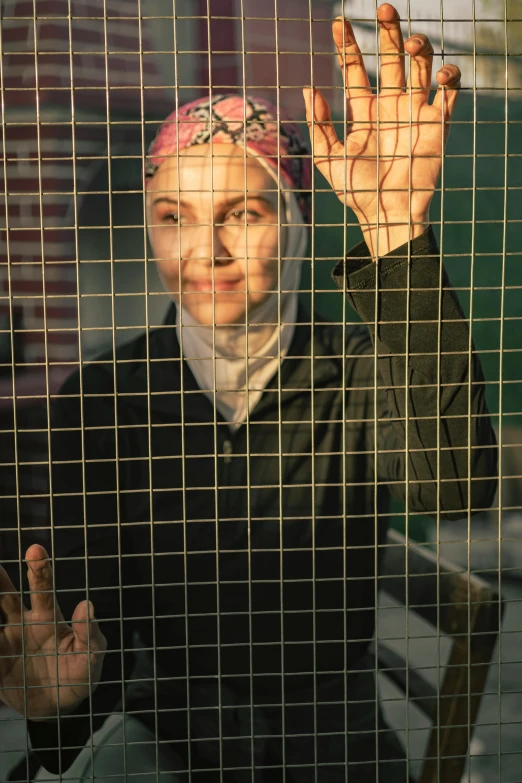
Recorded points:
430,402
90,555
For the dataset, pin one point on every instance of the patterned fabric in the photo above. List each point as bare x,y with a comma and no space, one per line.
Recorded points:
248,122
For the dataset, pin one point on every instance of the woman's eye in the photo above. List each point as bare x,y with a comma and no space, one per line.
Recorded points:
173,218
238,216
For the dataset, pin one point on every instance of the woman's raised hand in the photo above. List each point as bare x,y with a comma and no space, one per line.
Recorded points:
46,665
388,166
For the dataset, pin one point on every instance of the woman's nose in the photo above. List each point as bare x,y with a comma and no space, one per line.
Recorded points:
211,245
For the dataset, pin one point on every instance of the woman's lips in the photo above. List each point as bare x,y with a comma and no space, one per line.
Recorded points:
208,286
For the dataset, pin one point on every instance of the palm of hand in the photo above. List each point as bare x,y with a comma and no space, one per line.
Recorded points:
390,155
30,658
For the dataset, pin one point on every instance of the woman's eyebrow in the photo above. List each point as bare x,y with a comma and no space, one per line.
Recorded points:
249,197
166,199
238,200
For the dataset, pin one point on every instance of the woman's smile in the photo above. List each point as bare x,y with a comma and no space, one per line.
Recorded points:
217,285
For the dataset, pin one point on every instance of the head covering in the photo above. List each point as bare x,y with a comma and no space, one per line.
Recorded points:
216,355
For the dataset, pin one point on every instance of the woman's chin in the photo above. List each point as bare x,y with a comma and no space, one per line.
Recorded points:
218,312
220,309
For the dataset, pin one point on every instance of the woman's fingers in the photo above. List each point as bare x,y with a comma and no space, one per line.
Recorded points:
420,49
85,628
356,81
325,143
392,50
10,603
40,577
448,78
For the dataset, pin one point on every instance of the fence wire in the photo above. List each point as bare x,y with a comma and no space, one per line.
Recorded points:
260,498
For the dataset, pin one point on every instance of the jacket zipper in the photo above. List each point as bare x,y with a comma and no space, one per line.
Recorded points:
227,449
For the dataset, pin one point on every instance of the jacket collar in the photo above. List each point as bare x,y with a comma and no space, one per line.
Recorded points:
168,376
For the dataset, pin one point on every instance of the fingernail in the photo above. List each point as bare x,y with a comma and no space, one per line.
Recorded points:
417,41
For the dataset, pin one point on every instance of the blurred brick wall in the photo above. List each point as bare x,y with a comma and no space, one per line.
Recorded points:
62,79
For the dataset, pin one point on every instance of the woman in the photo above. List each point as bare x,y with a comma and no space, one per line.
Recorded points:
255,441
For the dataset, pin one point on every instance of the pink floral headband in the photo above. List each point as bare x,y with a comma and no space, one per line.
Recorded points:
249,122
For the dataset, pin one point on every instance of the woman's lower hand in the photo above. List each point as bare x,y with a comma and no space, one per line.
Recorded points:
47,666
387,168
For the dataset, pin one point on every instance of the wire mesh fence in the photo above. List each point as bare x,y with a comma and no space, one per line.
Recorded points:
260,389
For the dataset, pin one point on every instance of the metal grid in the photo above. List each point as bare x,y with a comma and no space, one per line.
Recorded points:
84,88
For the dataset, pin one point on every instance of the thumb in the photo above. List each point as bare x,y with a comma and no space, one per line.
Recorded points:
85,628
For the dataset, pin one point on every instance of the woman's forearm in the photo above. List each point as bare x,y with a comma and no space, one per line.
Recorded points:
433,410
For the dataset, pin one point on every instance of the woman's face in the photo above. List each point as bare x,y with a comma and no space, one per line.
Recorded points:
213,227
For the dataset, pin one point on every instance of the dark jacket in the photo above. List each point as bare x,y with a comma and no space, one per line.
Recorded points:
259,546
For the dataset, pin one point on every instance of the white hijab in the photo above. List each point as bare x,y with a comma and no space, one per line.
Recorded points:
217,355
